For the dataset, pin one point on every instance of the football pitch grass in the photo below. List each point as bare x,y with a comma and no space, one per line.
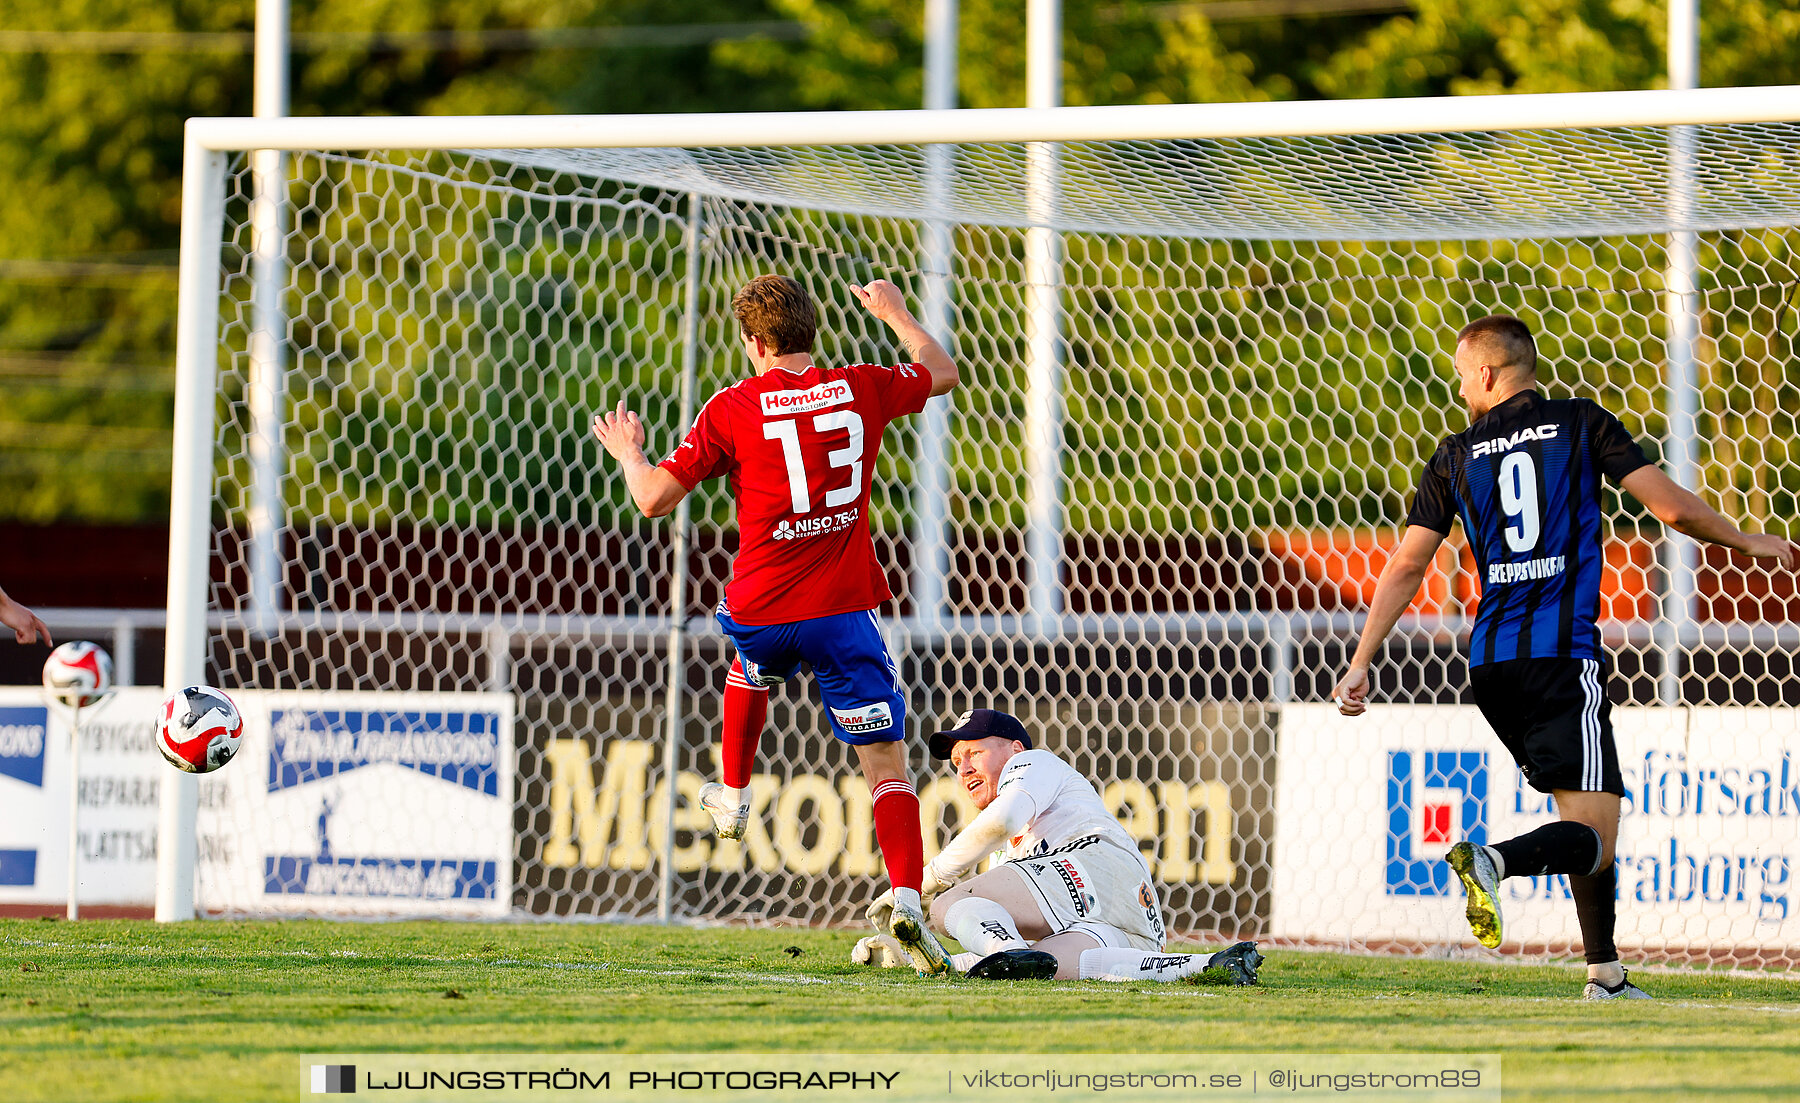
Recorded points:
220,1011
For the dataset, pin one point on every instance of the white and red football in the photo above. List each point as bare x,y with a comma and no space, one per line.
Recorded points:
78,674
199,729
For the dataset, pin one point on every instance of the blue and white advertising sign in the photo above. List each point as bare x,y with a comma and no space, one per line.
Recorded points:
119,773
1709,837
24,736
363,804
1435,799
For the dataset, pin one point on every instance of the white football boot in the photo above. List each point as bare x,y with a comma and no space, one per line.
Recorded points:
908,928
1624,990
729,818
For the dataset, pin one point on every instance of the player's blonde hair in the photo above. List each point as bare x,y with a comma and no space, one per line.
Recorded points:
777,309
1502,341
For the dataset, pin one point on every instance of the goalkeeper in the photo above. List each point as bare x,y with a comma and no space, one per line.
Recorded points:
1074,897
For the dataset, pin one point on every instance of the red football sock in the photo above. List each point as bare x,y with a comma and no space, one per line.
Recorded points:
746,707
897,831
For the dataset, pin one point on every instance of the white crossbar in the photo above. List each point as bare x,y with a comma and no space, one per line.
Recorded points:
1425,115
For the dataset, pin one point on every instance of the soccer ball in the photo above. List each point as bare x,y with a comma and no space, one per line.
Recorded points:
78,674
199,729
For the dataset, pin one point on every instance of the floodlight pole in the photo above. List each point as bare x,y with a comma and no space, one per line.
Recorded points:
1681,304
1043,287
267,390
74,907
124,652
75,701
931,533
678,568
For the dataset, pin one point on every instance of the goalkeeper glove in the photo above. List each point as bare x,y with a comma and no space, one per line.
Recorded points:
933,884
882,951
881,911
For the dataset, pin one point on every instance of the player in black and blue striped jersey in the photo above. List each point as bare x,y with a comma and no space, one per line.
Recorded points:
1525,481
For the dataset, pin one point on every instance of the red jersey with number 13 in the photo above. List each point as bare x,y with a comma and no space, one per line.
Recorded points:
800,447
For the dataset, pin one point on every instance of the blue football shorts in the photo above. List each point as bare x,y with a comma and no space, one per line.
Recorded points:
857,677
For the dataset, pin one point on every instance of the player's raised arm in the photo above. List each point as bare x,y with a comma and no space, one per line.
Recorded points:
655,491
884,300
1399,582
986,833
1684,511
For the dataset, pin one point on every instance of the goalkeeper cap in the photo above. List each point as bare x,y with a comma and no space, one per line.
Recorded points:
979,724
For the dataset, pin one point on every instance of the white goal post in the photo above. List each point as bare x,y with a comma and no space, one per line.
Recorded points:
1257,300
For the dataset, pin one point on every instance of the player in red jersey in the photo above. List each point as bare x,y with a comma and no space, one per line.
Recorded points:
799,443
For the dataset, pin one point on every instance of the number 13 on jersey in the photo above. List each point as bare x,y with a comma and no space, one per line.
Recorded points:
851,456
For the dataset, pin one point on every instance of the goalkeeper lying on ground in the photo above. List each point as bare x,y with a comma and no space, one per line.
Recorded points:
1074,897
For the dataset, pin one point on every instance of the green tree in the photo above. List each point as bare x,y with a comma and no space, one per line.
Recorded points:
90,159
90,151
866,54
1480,47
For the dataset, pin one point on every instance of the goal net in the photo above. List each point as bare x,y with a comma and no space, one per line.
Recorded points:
1200,379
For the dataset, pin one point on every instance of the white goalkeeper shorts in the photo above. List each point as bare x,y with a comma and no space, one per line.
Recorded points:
1092,883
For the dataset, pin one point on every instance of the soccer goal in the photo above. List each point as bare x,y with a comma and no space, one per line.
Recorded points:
1205,352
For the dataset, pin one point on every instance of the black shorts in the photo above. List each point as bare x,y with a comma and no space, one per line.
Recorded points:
1554,717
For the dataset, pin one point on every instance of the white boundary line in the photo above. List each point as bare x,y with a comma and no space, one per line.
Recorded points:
859,981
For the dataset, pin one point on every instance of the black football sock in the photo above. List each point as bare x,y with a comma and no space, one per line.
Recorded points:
1596,907
1561,847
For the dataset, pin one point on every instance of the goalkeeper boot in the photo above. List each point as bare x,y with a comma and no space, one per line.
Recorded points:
1481,881
729,817
1015,965
908,926
1238,963
1624,990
